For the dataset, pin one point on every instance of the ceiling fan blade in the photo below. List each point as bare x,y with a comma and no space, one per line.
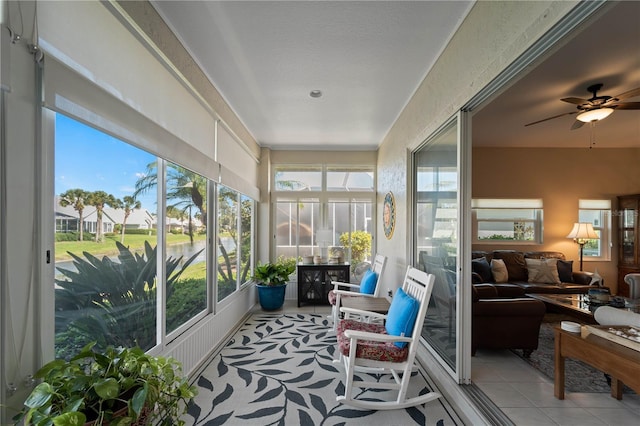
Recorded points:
630,94
551,118
576,101
627,105
577,124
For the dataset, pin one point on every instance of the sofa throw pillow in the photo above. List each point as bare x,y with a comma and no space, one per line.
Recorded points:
401,316
499,271
544,271
565,270
481,267
368,282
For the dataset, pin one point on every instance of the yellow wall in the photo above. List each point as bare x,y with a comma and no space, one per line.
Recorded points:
560,177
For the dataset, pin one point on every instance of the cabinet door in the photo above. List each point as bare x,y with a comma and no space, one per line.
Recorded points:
628,250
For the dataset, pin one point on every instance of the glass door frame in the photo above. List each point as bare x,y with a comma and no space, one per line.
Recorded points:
461,372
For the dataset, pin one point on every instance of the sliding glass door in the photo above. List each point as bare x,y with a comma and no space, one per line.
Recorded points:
438,225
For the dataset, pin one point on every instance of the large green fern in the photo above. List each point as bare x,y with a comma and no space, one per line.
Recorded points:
113,302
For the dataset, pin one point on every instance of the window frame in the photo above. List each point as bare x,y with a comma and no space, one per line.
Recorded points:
535,205
324,197
604,230
163,337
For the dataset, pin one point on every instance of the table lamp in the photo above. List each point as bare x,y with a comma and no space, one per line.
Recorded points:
581,232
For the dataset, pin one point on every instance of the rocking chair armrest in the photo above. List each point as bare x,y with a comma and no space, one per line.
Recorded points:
377,337
362,313
337,284
351,293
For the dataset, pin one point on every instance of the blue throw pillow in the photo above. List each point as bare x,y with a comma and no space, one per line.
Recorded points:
368,282
402,316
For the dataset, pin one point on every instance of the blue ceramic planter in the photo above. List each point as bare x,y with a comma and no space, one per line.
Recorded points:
271,297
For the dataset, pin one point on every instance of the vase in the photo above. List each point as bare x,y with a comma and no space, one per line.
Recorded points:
271,296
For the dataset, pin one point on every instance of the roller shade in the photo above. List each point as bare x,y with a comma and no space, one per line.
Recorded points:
96,71
232,157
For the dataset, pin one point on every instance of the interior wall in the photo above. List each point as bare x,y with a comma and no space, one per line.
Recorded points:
491,37
560,177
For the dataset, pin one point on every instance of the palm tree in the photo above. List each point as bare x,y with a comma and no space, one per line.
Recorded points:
76,198
185,188
129,204
99,199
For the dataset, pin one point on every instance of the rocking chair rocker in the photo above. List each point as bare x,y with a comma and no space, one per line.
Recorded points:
368,287
390,348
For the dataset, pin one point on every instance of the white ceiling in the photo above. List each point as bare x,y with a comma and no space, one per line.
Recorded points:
368,58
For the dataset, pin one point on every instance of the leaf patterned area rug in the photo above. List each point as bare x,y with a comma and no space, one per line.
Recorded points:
277,370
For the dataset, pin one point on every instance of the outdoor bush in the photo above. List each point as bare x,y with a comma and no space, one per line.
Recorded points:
129,231
67,236
359,243
113,302
189,297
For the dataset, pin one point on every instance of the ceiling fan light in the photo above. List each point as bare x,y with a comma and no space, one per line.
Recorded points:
594,115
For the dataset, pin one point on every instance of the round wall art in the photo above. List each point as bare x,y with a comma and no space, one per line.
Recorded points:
389,215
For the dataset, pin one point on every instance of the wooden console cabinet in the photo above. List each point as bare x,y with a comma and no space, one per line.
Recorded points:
628,239
314,282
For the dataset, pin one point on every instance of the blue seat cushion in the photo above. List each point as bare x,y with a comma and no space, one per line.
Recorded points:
368,282
402,316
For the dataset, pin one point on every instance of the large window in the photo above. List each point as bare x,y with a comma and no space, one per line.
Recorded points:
324,210
516,221
235,240
598,213
185,262
107,242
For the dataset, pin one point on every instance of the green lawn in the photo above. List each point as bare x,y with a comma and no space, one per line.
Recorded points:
108,248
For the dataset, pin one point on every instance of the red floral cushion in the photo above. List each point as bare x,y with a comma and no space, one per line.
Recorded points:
332,297
378,351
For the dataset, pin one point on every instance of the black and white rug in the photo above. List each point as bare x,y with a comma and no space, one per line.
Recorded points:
277,370
579,377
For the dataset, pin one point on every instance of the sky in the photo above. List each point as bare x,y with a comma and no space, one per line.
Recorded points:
91,160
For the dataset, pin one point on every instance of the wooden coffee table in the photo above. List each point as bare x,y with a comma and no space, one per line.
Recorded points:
620,362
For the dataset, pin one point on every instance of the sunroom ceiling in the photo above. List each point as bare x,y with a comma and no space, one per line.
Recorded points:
265,57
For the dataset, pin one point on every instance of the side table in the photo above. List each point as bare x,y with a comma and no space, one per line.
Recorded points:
314,281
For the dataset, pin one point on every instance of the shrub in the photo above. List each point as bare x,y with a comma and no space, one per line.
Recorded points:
67,236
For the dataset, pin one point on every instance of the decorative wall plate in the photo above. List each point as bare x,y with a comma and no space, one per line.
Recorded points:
389,215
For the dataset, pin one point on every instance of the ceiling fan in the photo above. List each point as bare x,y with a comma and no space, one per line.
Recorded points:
597,107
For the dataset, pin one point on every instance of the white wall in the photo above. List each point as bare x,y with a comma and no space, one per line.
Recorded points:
491,37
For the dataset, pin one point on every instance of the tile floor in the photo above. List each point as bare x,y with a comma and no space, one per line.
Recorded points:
526,395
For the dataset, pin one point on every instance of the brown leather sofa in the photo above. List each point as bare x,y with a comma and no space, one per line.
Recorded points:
503,318
515,262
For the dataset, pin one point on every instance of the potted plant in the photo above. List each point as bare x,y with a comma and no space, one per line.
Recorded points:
272,280
122,386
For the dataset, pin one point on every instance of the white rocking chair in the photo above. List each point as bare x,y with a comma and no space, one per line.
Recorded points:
372,347
355,290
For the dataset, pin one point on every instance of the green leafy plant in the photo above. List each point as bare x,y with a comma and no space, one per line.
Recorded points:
118,387
276,273
114,302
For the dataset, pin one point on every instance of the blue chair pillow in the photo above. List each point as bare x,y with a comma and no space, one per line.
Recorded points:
368,282
402,316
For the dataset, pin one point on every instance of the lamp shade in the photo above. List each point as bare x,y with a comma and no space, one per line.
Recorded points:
594,114
583,231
